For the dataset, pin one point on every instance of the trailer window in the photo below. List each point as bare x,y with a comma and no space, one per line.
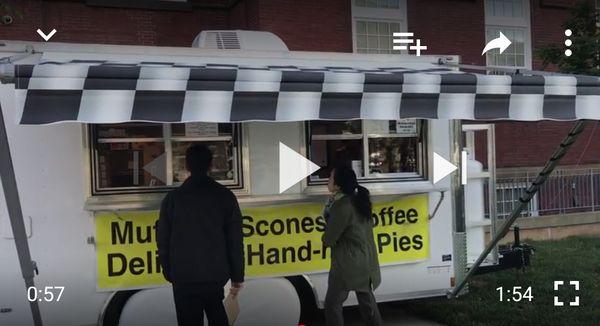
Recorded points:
143,157
377,150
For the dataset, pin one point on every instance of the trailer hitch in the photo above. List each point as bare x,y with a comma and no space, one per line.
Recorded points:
524,251
518,255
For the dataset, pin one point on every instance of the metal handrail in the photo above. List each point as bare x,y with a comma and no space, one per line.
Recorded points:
567,190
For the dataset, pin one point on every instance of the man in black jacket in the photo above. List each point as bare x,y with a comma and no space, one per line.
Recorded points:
200,243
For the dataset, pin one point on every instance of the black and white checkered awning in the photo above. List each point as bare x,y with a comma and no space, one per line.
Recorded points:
106,92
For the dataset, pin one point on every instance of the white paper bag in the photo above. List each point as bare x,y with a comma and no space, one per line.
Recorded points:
232,308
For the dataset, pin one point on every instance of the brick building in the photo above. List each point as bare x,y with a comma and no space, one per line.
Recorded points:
459,27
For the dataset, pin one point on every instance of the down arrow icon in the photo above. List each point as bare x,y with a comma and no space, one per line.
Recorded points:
46,37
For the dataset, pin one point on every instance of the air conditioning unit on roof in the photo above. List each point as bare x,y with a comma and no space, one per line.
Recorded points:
239,40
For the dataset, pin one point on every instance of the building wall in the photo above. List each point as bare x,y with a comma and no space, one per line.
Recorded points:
547,19
244,15
554,227
309,25
523,144
443,32
445,26
76,22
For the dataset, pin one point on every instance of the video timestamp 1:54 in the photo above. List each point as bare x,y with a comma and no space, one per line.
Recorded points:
516,294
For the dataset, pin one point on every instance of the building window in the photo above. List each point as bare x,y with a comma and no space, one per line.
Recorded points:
514,55
504,8
375,37
144,157
179,5
374,22
597,6
395,4
377,150
511,17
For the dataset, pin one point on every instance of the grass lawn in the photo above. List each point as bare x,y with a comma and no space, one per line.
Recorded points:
570,259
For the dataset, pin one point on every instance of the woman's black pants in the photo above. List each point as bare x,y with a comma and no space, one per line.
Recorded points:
335,298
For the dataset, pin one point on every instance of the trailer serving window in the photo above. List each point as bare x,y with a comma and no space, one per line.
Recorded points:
147,157
377,150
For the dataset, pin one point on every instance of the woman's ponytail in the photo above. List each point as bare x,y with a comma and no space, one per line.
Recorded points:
345,178
362,201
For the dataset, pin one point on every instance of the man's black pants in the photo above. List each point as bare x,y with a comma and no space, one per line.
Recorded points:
192,300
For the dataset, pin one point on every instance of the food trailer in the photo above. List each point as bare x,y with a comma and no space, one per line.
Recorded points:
97,135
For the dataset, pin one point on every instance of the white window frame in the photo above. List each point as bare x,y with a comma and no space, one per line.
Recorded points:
507,22
377,178
387,15
239,184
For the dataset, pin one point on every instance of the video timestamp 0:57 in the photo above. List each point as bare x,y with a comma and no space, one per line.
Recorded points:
47,294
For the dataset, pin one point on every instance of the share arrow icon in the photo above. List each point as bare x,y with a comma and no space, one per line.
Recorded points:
501,43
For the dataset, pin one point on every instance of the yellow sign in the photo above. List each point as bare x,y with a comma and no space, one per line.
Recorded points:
278,240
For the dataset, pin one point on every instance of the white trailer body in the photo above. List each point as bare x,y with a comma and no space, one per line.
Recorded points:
52,165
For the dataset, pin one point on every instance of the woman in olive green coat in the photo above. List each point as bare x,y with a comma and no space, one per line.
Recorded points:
354,262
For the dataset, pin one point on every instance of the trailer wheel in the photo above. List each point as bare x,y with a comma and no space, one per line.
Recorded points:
309,311
111,313
269,302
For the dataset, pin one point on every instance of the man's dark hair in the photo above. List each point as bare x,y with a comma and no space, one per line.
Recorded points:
198,159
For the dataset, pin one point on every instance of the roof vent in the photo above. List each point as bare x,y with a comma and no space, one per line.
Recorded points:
239,40
222,40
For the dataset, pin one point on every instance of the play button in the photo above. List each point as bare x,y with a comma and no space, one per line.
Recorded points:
293,167
441,167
